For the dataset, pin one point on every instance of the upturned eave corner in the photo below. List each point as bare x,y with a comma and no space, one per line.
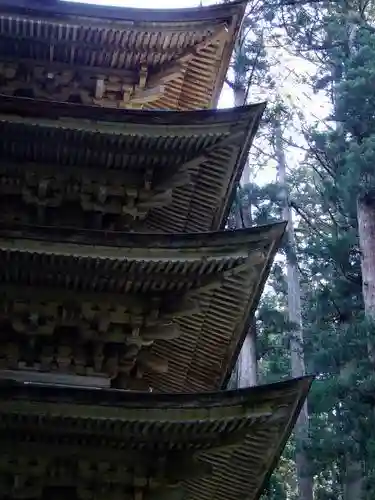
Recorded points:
274,236
254,120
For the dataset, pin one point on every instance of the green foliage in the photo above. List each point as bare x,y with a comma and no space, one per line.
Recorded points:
338,167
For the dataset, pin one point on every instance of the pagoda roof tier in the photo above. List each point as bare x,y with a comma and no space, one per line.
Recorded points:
144,310
68,164
115,56
100,444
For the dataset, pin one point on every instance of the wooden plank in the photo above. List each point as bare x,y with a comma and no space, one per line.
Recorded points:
55,379
221,244
113,128
86,72
24,107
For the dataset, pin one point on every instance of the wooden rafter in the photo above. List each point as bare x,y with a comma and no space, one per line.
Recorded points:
175,68
131,321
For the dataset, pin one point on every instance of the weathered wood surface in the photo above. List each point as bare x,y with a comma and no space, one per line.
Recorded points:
159,311
147,171
102,443
117,57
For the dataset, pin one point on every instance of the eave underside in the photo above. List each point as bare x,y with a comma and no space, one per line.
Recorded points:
172,59
140,310
100,444
144,171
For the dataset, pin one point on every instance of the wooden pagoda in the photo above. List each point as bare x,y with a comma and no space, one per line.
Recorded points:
123,302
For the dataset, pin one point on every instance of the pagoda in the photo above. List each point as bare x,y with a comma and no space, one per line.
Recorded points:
124,302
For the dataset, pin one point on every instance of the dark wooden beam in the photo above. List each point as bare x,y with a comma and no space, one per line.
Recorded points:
128,15
160,119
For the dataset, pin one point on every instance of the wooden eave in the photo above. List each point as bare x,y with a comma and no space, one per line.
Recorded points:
174,306
219,445
117,57
157,171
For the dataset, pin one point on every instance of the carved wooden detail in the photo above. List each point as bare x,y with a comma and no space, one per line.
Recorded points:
47,330
25,476
50,81
53,81
99,194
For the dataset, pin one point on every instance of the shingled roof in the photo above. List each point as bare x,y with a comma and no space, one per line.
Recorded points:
99,444
165,311
117,57
69,164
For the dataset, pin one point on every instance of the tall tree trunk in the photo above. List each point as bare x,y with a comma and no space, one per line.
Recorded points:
247,364
246,370
366,235
353,474
240,100
247,361
353,480
304,477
